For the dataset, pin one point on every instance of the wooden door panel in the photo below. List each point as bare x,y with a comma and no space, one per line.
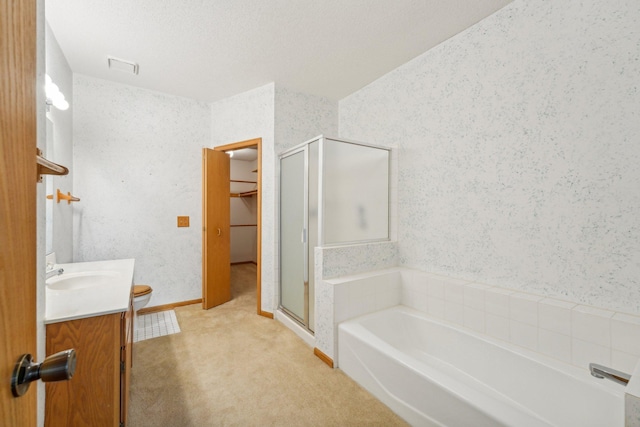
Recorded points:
17,203
216,258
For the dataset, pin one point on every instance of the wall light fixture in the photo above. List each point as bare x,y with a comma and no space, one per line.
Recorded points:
54,96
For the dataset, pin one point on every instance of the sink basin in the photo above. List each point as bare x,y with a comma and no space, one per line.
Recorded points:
84,279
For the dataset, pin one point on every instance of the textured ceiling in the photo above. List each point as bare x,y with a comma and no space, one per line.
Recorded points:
212,49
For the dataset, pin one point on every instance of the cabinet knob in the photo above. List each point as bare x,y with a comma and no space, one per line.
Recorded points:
57,367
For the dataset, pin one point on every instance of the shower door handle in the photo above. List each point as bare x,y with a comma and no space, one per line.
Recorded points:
305,256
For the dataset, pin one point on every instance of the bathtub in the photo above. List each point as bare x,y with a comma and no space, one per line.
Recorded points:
434,374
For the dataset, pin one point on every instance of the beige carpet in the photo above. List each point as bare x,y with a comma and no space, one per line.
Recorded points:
231,367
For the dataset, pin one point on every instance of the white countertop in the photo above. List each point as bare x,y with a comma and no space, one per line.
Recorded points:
62,305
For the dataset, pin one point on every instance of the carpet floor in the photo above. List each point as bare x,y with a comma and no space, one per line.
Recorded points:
231,367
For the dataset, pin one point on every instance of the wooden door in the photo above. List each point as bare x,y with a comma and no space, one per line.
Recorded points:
17,203
257,144
216,249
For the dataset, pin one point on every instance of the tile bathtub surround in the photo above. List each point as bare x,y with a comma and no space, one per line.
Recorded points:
347,297
357,260
566,331
572,333
361,294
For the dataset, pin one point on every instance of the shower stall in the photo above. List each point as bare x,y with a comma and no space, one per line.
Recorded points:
332,192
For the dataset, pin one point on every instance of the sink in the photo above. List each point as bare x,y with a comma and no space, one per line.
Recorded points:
84,279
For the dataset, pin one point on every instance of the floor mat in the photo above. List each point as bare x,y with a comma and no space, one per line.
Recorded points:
155,325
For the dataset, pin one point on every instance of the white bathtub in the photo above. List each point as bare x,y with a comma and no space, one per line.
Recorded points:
434,374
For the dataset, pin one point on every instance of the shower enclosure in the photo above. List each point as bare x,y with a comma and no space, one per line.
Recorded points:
332,192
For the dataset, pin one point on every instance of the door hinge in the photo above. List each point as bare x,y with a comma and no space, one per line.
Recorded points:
121,424
122,367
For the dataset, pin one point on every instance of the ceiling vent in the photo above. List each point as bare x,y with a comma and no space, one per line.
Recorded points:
122,65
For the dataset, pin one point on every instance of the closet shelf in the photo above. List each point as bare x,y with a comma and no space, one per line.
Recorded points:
242,189
47,167
245,193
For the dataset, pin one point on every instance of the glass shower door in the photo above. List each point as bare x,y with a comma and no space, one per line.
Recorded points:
293,239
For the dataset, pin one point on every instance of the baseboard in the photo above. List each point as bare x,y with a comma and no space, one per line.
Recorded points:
326,359
154,309
266,314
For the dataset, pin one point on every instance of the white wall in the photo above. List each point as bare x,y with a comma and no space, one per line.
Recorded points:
60,72
282,118
51,60
137,163
246,116
298,118
519,146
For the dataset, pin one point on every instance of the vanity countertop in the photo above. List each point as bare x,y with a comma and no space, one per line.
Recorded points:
90,301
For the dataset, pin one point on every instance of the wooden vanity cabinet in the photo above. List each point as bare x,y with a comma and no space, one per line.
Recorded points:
98,393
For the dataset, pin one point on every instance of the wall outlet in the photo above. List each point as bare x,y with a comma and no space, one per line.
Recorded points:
183,221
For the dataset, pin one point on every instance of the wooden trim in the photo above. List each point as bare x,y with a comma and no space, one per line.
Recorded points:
241,144
244,144
259,231
326,359
164,307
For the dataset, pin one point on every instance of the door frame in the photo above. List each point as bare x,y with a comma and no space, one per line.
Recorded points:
256,142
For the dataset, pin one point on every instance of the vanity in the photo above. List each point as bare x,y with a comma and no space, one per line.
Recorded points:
89,307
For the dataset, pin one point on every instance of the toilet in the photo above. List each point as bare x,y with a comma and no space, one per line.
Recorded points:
141,297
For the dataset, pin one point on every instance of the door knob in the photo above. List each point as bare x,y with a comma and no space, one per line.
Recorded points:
57,367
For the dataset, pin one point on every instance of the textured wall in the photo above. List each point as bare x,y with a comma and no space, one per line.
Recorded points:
519,146
137,164
298,118
282,118
246,116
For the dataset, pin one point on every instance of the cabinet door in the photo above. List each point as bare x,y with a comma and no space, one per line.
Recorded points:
92,396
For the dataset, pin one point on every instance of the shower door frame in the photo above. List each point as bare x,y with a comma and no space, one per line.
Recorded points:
319,237
302,321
